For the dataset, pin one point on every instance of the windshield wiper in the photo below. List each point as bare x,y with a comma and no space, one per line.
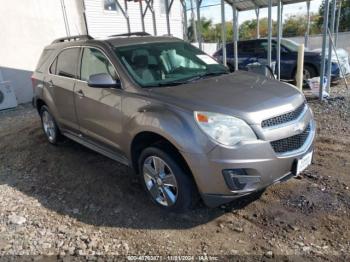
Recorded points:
188,80
213,74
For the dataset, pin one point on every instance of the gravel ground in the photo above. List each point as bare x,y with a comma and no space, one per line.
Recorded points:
67,200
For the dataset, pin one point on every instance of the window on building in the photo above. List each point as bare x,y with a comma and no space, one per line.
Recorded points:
110,5
67,62
95,62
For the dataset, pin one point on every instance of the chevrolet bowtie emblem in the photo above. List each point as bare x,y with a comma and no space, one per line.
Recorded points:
299,127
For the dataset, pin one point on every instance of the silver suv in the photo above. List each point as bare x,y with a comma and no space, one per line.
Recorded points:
175,115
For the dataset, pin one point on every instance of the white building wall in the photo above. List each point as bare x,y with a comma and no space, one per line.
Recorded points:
103,23
26,27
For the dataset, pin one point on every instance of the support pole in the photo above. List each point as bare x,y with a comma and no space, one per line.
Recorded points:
330,49
199,24
257,12
337,25
324,46
279,36
223,32
167,16
269,38
153,18
65,19
194,27
124,12
235,34
142,17
183,3
127,15
308,24
300,67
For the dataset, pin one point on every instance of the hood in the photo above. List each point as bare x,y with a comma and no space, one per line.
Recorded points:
342,54
246,95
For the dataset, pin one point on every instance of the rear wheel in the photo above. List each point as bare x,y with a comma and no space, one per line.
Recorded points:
49,125
165,182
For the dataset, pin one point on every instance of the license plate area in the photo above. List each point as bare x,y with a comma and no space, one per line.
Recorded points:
303,163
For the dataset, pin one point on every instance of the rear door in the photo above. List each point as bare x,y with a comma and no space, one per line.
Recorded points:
98,109
60,83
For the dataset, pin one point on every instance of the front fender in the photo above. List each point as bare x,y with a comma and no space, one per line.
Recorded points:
174,124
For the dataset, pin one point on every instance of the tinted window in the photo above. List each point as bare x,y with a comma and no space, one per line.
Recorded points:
95,62
110,5
229,50
246,47
67,62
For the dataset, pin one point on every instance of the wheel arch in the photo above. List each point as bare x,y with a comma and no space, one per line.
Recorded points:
305,64
148,138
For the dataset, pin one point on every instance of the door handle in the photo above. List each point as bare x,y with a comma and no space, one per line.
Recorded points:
80,93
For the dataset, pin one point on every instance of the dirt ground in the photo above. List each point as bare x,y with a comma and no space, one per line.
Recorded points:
67,200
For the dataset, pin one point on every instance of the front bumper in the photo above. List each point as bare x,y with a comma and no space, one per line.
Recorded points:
257,159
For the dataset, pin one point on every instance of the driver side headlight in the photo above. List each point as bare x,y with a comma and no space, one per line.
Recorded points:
224,129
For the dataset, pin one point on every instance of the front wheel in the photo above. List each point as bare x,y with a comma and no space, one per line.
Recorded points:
165,182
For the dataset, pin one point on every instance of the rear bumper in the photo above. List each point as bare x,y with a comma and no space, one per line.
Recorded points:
258,165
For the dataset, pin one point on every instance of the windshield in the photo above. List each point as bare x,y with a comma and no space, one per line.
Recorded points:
289,44
167,63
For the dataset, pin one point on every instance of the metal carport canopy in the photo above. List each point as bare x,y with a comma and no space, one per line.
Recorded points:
244,5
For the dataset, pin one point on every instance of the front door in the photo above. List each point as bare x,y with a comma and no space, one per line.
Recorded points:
98,109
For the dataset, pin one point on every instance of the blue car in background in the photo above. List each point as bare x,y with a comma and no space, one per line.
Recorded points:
255,51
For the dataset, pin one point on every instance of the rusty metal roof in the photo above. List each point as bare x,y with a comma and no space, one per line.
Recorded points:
243,5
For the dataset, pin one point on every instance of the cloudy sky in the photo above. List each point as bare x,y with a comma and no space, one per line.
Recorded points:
214,12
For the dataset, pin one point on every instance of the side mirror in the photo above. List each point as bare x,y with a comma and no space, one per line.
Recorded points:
103,80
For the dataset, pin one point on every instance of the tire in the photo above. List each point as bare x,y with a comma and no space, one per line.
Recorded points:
309,72
181,196
49,125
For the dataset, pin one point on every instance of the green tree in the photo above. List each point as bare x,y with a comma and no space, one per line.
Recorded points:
206,28
295,25
247,29
344,22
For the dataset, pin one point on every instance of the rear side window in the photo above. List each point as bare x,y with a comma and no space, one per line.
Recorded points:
67,62
43,58
246,47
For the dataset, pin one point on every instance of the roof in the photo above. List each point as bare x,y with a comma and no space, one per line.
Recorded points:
243,5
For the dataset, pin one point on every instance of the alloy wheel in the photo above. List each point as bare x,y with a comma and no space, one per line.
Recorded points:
160,181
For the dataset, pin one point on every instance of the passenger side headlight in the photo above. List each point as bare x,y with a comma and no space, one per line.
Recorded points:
226,130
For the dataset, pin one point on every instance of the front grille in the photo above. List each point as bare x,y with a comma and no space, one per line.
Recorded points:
285,118
291,143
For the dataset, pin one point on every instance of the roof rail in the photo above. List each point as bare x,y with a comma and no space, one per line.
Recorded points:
72,38
132,34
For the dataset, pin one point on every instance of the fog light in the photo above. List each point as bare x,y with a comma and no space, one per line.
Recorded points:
237,179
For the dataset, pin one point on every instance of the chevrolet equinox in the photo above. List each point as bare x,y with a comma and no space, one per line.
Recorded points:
185,124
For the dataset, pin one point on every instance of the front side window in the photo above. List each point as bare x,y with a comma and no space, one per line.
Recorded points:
95,62
67,62
167,63
110,5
